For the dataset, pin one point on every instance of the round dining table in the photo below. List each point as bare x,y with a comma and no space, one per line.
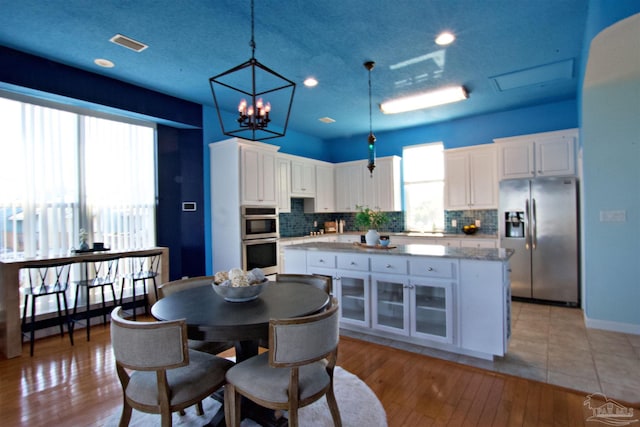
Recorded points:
210,318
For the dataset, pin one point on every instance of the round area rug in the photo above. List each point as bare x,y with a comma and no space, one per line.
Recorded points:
358,406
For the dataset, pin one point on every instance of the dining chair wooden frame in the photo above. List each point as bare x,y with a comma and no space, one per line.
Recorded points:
158,373
295,372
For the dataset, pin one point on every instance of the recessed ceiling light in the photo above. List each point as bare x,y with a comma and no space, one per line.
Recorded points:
326,120
310,82
445,38
104,63
424,100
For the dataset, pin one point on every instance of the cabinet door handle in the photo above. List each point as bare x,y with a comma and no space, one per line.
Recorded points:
321,261
353,263
388,266
429,268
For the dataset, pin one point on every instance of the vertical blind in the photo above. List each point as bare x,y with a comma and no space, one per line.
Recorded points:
61,171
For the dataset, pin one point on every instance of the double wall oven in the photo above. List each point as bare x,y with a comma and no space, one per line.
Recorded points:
260,234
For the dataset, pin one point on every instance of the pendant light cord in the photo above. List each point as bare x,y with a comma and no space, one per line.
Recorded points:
253,42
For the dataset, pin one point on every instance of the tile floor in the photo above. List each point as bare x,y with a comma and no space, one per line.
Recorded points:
552,344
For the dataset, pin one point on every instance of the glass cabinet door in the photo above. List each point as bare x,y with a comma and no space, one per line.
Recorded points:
390,304
433,311
354,297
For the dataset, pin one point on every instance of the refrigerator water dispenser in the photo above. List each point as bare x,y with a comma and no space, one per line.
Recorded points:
514,224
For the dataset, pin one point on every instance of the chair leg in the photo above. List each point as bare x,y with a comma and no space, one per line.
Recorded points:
199,408
60,322
68,319
126,414
87,313
133,289
333,406
231,406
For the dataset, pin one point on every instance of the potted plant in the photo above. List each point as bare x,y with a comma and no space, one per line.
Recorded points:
371,220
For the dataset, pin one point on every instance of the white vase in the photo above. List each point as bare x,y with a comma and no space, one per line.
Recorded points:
372,237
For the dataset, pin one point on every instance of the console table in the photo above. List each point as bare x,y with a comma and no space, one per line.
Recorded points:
10,324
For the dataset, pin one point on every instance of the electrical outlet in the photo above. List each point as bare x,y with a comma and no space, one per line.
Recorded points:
478,223
454,223
315,223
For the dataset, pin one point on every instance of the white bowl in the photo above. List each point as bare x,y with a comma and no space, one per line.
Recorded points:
240,293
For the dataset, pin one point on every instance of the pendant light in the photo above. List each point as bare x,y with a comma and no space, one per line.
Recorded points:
261,97
372,138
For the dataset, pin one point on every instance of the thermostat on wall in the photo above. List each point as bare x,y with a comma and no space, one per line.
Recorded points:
189,206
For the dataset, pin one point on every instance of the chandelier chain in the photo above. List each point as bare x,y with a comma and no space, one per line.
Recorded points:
252,43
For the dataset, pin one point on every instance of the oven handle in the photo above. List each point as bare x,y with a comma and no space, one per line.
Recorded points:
260,241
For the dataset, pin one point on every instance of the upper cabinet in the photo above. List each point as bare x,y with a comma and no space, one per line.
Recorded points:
283,184
538,155
382,188
471,178
303,178
356,187
258,175
349,184
325,200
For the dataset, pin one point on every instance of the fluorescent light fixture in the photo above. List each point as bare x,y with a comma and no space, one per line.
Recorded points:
424,100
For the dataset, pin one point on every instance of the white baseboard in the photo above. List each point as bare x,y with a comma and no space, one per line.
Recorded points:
608,325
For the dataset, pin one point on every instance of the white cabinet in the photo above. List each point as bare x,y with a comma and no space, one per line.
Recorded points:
258,176
382,189
349,186
325,200
471,180
390,303
461,305
283,184
478,243
356,186
432,306
303,178
541,154
484,310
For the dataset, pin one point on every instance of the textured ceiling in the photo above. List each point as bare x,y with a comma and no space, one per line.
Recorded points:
191,41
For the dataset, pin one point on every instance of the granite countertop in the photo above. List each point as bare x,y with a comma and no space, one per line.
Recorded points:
482,254
401,233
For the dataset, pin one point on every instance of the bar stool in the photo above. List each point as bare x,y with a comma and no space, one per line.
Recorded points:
46,279
142,268
97,274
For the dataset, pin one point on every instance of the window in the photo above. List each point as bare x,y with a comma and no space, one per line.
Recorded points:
424,186
62,171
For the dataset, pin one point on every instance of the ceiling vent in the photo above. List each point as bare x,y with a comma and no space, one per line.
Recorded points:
128,43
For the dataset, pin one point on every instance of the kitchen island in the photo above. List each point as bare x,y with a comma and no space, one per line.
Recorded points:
451,298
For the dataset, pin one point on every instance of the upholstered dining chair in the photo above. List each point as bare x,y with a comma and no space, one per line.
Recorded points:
157,371
295,372
168,288
318,280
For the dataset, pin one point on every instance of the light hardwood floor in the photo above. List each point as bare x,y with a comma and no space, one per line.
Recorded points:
77,386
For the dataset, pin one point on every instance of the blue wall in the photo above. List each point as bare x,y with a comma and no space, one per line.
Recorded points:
610,113
462,133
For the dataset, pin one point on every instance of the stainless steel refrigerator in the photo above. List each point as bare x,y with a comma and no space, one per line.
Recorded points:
539,219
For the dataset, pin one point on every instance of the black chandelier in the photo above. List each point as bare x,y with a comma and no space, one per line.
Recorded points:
253,88
372,138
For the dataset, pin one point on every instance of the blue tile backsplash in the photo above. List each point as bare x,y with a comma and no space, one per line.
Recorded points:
297,223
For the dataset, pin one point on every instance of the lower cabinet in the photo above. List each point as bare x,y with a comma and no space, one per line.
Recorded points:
432,306
454,304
